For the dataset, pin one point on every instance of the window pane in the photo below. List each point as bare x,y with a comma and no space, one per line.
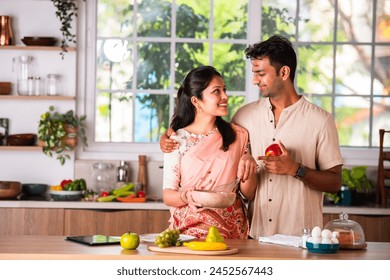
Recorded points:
381,119
154,18
189,56
153,65
315,69
353,73
382,71
353,120
383,21
115,18
230,21
278,17
114,119
151,117
192,19
354,21
228,60
316,19
325,102
114,64
235,102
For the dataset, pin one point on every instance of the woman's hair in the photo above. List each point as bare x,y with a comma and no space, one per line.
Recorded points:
196,81
279,51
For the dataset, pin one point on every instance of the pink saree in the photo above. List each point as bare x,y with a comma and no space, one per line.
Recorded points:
202,163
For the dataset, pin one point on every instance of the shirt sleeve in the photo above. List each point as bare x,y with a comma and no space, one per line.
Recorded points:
171,169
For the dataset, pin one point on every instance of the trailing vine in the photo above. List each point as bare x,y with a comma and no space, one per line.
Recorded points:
66,11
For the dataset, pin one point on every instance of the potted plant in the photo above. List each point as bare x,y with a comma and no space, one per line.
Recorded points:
59,133
353,180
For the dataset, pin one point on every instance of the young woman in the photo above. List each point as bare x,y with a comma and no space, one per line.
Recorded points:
211,152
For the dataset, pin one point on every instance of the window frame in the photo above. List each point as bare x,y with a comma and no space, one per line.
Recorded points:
86,54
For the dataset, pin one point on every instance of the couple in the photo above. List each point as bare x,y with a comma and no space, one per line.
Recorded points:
285,193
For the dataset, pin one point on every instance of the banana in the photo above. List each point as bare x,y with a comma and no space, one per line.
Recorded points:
205,246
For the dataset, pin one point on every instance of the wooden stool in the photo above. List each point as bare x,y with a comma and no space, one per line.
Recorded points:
383,190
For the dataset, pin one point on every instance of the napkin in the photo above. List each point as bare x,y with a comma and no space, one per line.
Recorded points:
281,239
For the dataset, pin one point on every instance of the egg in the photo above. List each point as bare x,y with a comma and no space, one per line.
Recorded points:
316,231
335,234
326,241
334,240
316,240
326,233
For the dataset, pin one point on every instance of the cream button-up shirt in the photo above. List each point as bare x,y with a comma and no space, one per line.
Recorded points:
284,204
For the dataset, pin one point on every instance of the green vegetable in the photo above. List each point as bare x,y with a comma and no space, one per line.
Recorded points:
107,198
125,188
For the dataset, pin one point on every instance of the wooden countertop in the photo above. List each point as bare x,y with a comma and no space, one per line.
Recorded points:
57,248
157,205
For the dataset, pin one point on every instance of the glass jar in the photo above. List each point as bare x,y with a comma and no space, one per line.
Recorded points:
52,84
103,177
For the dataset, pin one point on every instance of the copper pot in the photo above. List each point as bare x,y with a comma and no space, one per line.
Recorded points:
6,35
10,189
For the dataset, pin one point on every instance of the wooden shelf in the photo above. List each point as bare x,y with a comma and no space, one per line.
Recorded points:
20,148
36,48
39,97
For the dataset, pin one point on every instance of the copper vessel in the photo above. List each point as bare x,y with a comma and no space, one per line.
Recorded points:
6,36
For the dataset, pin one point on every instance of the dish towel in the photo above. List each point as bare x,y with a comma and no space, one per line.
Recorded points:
281,239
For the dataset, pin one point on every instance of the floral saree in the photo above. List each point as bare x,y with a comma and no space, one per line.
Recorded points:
200,162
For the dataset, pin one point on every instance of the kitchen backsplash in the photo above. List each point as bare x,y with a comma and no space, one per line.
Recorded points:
84,169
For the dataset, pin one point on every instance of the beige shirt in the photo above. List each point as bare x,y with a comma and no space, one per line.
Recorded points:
284,204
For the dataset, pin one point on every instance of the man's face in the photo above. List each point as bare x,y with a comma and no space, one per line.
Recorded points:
266,78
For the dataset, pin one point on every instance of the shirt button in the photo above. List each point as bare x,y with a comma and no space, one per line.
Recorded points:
270,199
271,121
269,220
270,180
273,139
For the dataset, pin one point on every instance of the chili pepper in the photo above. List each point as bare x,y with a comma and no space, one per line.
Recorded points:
65,182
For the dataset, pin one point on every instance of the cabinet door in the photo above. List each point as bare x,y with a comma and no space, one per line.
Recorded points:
114,222
31,221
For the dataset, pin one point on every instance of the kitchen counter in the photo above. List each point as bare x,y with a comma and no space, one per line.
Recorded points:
56,248
158,205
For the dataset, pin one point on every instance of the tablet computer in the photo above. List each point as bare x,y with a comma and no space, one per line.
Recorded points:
94,240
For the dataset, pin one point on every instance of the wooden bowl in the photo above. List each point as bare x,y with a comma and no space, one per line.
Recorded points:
27,139
5,88
213,199
10,189
39,41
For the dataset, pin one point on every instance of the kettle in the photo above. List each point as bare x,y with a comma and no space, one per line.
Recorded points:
24,73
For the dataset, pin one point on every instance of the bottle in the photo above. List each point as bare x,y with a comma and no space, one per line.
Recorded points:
142,176
52,85
122,172
305,236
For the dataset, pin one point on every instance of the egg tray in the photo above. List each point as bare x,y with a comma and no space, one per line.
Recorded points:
322,248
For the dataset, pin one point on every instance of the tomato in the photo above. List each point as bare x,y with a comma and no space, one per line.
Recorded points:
104,193
141,194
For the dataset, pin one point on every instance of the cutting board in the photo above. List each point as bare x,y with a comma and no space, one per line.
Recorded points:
185,250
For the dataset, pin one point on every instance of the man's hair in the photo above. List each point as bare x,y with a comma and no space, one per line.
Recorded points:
279,51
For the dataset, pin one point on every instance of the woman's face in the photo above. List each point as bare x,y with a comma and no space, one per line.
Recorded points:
215,99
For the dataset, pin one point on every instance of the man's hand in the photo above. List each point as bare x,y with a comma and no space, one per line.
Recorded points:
246,167
167,145
283,164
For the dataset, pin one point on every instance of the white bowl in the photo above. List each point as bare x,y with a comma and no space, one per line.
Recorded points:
213,199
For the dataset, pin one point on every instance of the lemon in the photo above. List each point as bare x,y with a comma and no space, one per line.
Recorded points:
129,241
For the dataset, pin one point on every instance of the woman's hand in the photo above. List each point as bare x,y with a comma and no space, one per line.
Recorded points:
167,145
246,167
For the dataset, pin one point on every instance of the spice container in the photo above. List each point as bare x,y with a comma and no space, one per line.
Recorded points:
53,84
122,172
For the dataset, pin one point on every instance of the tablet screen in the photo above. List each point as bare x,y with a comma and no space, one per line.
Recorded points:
93,240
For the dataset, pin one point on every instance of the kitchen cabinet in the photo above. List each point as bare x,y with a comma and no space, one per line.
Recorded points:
59,221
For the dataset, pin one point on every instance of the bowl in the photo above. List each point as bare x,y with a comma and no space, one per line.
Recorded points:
26,139
66,195
34,189
10,189
5,88
214,199
39,41
322,248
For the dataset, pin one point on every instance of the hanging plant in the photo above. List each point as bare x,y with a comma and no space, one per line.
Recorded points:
66,11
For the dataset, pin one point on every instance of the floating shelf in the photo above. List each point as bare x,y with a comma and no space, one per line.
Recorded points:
36,48
39,97
20,148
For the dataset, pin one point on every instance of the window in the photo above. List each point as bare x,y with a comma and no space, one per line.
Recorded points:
142,50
